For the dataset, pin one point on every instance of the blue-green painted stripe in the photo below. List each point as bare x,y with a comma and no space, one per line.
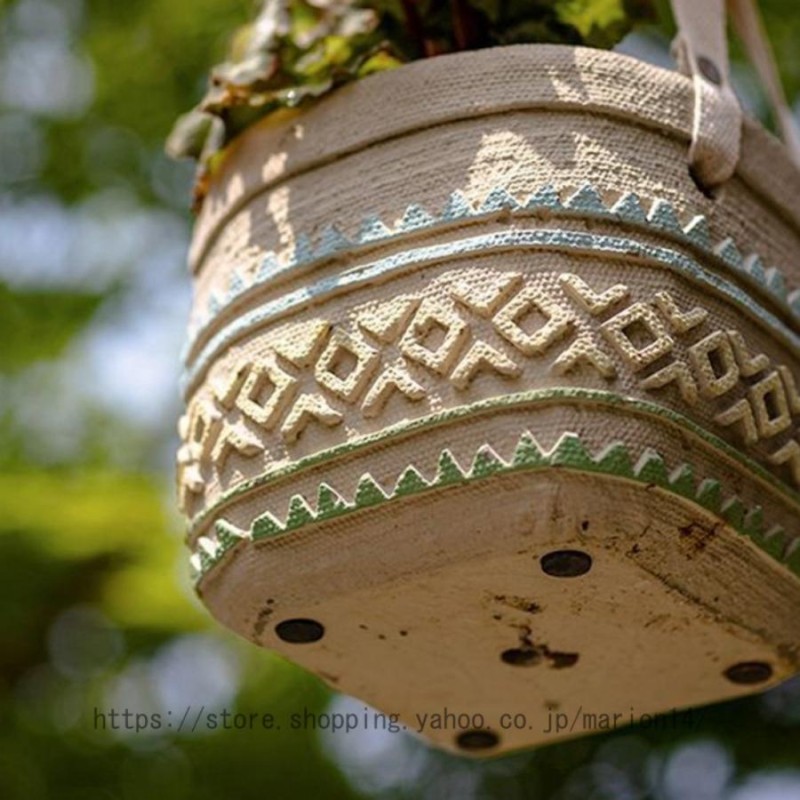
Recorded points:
587,202
576,241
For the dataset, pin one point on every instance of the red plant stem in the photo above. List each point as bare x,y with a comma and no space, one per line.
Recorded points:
416,28
463,27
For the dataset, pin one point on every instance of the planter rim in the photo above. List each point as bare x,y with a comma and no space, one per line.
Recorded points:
469,85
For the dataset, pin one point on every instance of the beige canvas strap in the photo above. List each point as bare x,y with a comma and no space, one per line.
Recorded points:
749,28
701,49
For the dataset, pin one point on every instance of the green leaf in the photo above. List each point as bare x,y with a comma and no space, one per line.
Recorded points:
586,15
317,45
190,134
379,62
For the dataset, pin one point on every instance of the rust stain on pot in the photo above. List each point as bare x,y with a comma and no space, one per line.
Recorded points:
697,536
529,653
518,603
262,621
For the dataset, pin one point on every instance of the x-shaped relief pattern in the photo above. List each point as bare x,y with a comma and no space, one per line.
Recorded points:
494,323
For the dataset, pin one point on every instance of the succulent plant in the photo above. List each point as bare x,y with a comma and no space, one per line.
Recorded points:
298,50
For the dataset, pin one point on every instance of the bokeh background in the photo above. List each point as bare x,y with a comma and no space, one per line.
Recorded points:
96,611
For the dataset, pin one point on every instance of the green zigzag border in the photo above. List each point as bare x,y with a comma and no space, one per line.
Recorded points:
508,402
586,201
569,452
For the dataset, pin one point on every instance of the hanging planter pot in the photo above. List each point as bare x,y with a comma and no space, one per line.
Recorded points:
493,392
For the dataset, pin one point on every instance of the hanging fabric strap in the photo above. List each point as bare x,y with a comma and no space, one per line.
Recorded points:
748,26
701,49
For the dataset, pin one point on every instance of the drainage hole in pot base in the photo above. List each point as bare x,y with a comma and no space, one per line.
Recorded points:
566,563
299,631
749,672
477,739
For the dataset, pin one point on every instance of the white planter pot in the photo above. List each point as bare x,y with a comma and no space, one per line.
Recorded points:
489,407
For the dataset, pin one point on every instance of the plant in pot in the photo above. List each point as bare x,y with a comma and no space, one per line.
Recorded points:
492,375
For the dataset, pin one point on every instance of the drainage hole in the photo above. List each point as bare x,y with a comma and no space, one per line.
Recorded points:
300,631
477,739
566,563
749,672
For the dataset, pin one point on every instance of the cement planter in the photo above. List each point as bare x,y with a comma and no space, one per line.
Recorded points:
490,408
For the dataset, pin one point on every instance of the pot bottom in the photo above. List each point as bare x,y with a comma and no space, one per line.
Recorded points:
524,609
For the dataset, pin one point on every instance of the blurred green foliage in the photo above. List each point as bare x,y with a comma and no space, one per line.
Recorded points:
39,324
95,608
